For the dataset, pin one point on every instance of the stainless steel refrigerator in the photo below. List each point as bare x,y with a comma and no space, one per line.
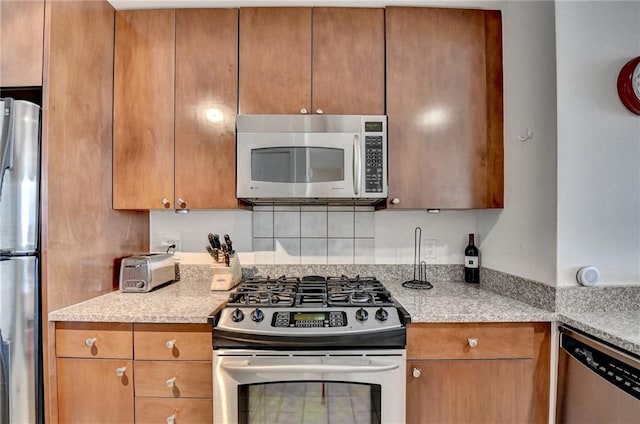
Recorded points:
20,340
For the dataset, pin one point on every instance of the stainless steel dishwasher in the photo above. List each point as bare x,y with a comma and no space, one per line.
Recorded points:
596,382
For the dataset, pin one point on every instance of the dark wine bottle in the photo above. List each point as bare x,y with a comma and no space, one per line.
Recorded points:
471,262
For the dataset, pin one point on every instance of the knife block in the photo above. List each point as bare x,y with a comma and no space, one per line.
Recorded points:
226,277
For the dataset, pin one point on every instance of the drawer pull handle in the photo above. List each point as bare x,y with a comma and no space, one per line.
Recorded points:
416,372
120,371
172,419
473,342
90,341
171,382
170,344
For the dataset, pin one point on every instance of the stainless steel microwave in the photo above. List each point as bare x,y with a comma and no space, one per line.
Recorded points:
311,158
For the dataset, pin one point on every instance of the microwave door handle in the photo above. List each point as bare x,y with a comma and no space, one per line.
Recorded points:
357,165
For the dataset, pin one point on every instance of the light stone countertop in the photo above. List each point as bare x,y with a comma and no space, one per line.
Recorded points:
191,301
621,329
462,302
187,301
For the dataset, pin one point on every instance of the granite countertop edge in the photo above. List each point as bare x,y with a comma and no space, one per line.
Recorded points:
188,302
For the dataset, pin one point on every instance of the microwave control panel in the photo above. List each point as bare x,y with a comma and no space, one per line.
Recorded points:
374,157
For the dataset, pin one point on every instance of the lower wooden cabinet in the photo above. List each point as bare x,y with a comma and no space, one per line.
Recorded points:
478,373
163,410
126,373
95,390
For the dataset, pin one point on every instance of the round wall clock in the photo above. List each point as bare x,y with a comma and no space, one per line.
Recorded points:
629,85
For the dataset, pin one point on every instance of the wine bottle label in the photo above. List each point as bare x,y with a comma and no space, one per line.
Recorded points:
471,261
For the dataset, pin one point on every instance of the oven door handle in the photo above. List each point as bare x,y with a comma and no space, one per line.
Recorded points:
246,367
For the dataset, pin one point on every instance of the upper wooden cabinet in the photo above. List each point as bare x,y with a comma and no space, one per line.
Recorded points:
21,43
322,60
143,109
206,107
444,107
174,109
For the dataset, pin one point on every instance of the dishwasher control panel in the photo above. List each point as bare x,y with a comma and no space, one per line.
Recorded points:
618,373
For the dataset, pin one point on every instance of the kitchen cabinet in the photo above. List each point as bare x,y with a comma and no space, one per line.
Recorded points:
174,129
101,366
95,372
173,364
22,36
444,107
316,60
479,372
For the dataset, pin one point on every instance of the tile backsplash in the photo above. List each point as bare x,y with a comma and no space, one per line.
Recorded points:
313,234
317,234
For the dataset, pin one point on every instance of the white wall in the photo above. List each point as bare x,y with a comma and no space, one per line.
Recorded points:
598,142
519,239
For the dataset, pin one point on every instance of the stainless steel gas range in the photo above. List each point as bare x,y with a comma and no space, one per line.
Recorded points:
310,350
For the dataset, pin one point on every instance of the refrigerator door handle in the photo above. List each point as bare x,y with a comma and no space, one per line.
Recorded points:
4,380
6,140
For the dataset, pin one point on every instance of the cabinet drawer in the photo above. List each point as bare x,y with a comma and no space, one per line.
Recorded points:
173,379
94,340
187,342
184,411
470,341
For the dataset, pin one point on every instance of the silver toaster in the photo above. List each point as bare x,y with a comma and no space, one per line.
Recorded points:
143,273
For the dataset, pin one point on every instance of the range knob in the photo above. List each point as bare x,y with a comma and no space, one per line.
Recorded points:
257,315
362,315
382,314
237,315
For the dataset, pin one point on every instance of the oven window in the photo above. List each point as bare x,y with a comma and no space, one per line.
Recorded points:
297,164
309,403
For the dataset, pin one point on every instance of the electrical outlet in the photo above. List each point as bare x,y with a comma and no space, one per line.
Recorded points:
431,249
168,243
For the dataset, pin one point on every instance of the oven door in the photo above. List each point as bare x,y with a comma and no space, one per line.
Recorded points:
293,165
254,386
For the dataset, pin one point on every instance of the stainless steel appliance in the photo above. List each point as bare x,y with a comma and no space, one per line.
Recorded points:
143,273
20,350
597,383
310,349
312,158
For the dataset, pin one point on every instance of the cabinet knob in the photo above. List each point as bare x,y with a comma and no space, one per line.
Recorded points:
171,382
473,342
416,372
166,203
120,371
303,111
395,201
90,342
319,111
171,419
181,203
170,344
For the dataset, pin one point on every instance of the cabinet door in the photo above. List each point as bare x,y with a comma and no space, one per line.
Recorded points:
348,61
275,60
92,391
143,109
470,391
21,43
444,102
206,107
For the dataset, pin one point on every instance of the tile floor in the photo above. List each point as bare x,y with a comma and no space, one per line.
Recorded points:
304,403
